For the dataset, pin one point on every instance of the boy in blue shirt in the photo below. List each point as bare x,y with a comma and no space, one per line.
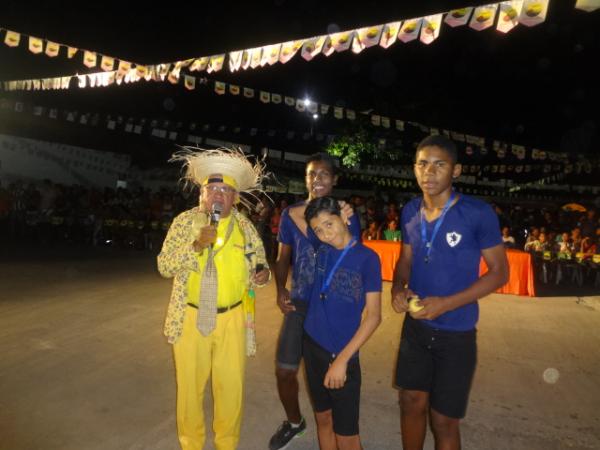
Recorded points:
297,245
347,281
444,237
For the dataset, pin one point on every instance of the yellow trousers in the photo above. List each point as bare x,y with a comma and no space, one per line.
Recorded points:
221,356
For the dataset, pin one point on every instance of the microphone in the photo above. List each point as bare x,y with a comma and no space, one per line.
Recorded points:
215,214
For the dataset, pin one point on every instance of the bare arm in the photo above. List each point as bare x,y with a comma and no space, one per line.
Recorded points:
401,278
282,269
336,375
494,278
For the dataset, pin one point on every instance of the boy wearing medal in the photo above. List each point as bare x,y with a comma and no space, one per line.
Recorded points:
444,237
347,281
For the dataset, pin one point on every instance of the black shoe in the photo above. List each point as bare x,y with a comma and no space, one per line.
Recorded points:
285,433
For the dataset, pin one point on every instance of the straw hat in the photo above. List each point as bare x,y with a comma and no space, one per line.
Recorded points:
200,163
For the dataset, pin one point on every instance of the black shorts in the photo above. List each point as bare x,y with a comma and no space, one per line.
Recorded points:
439,362
289,346
344,403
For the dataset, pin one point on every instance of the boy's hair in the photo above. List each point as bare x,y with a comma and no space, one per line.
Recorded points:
442,142
326,158
317,205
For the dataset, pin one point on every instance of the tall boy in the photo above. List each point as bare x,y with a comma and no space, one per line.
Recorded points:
444,237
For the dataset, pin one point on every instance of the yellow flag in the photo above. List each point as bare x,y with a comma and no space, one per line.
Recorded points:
255,57
52,49
389,34
234,89
366,37
12,38
215,63
189,82
220,87
533,12
173,76
71,52
199,64
312,47
270,54
431,28
107,63
36,45
248,92
341,41
141,71
508,18
587,5
89,58
124,67
410,30
483,17
458,17
265,97
288,50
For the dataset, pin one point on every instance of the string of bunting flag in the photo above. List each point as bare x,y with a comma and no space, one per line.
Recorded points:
552,166
509,14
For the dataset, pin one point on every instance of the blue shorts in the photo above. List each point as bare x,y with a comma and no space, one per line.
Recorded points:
289,347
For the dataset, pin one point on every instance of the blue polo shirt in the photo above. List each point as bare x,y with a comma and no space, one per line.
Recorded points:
469,226
331,322
303,251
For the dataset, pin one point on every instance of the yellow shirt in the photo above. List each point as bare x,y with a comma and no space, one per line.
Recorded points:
232,275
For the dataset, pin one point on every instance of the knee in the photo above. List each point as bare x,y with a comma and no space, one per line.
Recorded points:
324,419
413,402
286,376
443,425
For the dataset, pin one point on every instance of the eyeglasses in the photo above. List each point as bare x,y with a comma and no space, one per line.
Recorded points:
213,189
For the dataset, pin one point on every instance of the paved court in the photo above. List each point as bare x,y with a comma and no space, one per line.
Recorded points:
84,365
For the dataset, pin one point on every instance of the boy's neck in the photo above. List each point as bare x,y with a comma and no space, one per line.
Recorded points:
435,202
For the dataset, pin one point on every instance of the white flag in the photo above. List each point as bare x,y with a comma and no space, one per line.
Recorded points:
431,28
508,18
410,30
389,34
458,17
483,17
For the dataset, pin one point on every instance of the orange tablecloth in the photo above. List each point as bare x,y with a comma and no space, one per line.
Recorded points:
520,281
521,276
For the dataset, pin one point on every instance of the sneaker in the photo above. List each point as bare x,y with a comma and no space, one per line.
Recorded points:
285,433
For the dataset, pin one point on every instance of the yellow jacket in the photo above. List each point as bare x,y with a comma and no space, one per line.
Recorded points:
178,258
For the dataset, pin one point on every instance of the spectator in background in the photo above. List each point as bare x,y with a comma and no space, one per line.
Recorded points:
391,233
372,233
507,238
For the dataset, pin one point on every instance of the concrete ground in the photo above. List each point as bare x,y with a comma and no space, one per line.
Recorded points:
84,365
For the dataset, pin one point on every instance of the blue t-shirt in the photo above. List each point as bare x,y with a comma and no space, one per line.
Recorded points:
333,321
469,226
303,251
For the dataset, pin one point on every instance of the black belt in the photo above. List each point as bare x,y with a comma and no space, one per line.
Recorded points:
221,309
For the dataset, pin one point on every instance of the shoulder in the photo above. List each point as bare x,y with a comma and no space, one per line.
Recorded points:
186,215
365,253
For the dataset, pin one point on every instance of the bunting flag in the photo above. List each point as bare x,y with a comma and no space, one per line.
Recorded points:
173,76
107,63
508,17
483,17
141,71
89,59
288,50
399,125
52,49
265,97
248,93
341,41
350,114
338,112
324,109
366,37
588,5
189,82
385,122
255,57
215,63
220,87
71,51
458,17
199,64
312,47
376,120
234,90
235,60
431,28
300,106
276,98
290,101
270,54
123,68
12,38
36,45
533,12
389,34
410,30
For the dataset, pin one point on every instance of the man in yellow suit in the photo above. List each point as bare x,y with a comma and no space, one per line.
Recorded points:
214,255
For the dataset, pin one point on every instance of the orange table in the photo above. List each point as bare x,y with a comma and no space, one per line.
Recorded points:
520,280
